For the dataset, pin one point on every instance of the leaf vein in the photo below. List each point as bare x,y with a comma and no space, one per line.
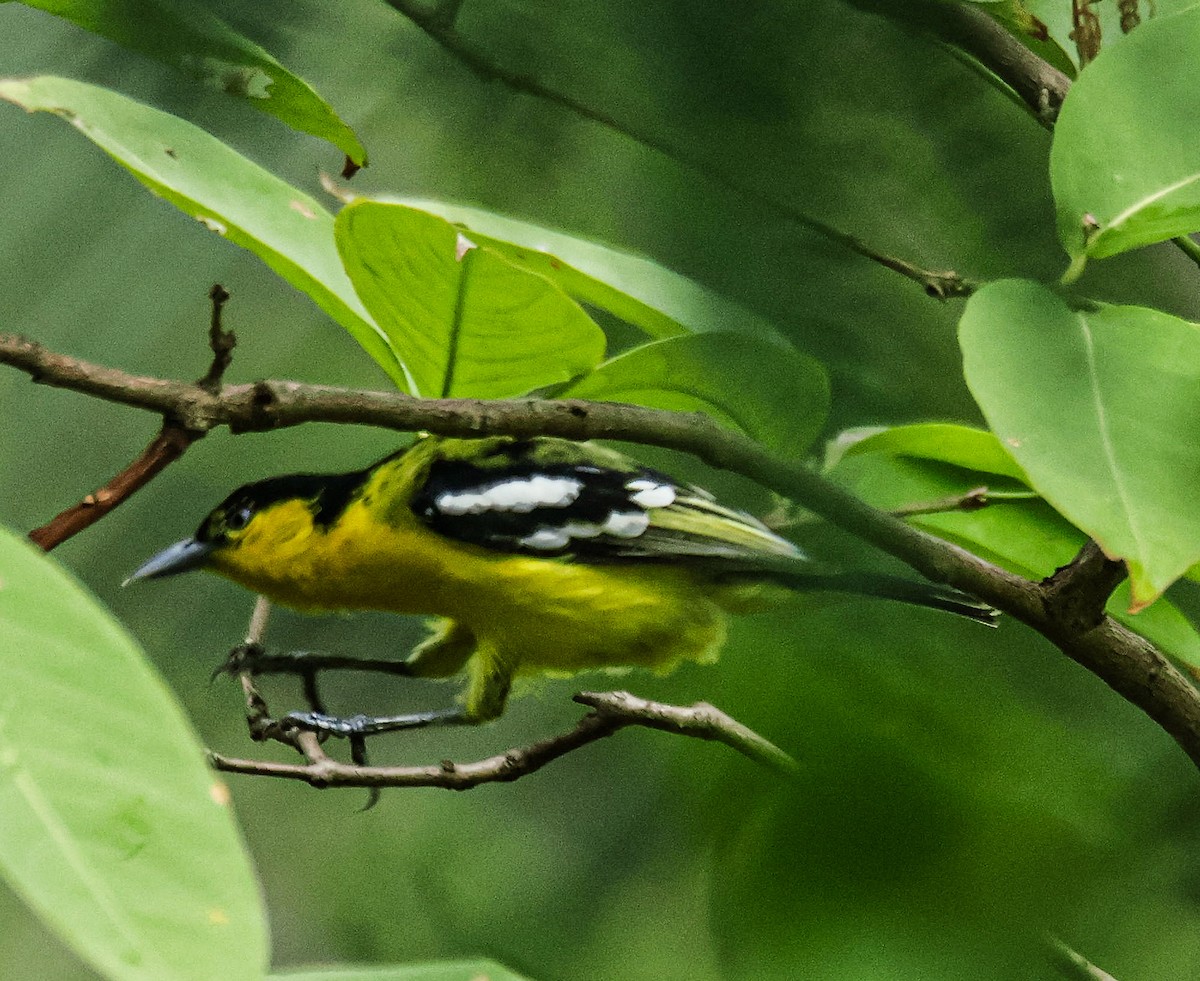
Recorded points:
1106,443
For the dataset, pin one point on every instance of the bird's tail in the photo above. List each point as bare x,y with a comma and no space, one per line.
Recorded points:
803,577
928,594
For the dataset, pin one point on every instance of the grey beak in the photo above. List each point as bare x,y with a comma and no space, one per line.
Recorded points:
183,556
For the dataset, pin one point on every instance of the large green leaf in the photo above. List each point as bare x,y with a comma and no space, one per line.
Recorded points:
463,319
204,178
636,289
112,827
1125,164
769,390
1024,536
189,38
438,971
1101,408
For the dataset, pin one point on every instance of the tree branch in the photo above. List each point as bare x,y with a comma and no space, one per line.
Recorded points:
611,712
1041,86
1128,663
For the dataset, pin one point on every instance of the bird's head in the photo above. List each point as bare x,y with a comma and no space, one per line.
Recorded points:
254,536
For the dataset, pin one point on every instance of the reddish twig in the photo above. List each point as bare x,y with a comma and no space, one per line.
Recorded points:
164,449
167,447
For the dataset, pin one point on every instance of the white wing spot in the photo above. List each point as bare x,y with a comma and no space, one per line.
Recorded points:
622,524
547,539
650,493
521,496
551,539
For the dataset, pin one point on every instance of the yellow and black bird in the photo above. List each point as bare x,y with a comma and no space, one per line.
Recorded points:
539,557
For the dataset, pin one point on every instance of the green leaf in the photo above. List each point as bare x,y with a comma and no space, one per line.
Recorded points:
1026,537
464,320
204,178
633,288
1125,164
441,971
770,391
1101,408
199,44
112,827
962,446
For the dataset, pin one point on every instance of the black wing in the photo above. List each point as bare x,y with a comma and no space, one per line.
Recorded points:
552,498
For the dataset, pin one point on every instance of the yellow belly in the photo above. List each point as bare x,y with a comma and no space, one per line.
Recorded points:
563,618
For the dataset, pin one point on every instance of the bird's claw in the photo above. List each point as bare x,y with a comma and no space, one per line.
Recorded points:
240,658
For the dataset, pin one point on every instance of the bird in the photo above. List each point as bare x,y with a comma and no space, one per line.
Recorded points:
533,556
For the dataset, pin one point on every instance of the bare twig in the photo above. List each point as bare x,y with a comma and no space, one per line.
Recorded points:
1127,662
971,500
438,22
220,341
611,712
167,447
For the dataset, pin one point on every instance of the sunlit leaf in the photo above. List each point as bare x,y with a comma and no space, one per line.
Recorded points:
1024,536
191,39
464,320
1101,408
114,829
1125,164
204,178
768,390
633,288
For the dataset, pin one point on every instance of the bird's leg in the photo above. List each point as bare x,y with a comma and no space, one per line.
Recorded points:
253,659
440,655
491,679
355,727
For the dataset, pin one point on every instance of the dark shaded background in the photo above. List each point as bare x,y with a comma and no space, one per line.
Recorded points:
963,792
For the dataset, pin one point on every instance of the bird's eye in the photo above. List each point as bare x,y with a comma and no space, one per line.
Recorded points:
238,519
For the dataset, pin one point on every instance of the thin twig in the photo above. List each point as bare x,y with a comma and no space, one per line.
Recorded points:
220,341
438,23
167,447
611,712
971,500
1127,662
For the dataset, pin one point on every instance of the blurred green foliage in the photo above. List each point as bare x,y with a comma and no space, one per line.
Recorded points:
963,792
